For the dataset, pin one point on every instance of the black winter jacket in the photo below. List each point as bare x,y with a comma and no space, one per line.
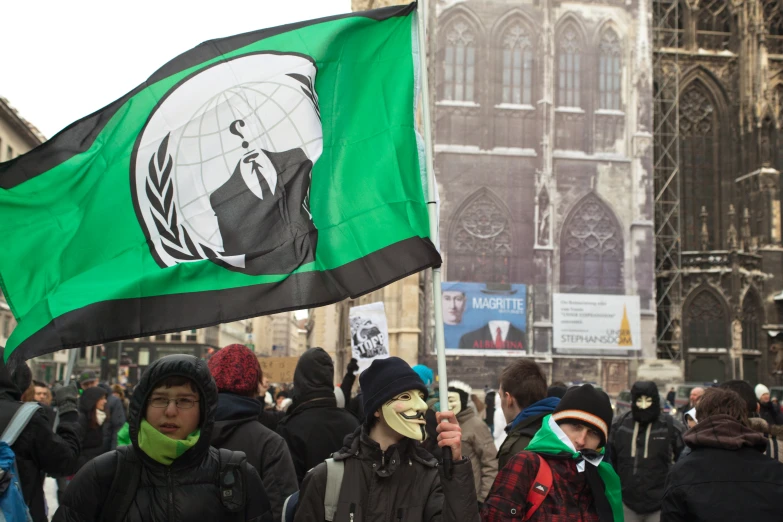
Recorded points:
185,491
237,428
94,440
115,416
39,451
643,472
403,484
315,427
770,413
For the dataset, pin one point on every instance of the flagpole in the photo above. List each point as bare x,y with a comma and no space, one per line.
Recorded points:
432,207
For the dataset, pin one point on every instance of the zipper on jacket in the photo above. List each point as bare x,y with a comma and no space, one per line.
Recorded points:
170,483
352,512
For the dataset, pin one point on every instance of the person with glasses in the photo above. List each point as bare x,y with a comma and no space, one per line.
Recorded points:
169,471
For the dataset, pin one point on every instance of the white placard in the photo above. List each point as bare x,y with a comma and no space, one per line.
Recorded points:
369,334
587,321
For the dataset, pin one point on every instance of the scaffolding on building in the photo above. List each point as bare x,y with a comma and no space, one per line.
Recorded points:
668,244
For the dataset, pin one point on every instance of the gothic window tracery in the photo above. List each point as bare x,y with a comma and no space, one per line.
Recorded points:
698,158
459,64
773,17
517,51
569,67
591,249
609,71
751,321
480,246
713,25
706,322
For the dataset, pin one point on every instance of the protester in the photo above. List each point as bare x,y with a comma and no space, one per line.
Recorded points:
342,393
768,411
430,443
314,427
38,449
726,476
755,422
42,393
179,477
695,396
477,443
387,475
283,401
643,445
237,373
118,392
92,418
88,379
115,415
671,397
583,487
525,404
558,389
489,414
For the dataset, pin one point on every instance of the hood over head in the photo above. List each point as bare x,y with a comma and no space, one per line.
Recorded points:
314,376
178,365
650,390
22,376
8,390
724,432
90,398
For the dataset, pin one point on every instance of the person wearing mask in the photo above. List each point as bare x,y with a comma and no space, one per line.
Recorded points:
92,418
756,423
524,403
726,476
237,373
387,474
643,445
170,471
430,443
477,443
314,427
767,409
581,486
115,415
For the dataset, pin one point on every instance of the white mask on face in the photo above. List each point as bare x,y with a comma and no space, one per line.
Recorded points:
455,404
644,402
100,417
405,414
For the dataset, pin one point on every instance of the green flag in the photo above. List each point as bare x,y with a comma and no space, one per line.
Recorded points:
264,172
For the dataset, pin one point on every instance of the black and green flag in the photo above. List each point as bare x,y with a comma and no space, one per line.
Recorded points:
264,172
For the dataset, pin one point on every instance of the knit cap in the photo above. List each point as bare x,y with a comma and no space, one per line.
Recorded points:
587,406
760,390
384,380
236,370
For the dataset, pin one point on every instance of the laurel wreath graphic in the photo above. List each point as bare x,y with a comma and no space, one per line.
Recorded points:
160,192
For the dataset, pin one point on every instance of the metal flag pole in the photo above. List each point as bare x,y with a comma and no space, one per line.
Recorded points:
432,207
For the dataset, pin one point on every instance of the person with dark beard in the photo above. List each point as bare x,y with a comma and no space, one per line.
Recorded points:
644,444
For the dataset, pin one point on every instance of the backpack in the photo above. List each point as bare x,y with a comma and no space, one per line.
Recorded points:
540,488
12,504
335,470
231,481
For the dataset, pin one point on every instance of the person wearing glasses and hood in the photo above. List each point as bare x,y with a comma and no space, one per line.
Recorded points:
386,472
169,472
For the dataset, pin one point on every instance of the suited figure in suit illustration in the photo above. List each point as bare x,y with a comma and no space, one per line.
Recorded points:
501,335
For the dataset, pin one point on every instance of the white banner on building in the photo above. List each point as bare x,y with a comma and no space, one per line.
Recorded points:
369,334
586,321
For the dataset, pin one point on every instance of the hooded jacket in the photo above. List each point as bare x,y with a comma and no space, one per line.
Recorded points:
39,451
643,450
115,416
402,484
314,427
237,428
479,447
94,442
186,490
726,476
772,434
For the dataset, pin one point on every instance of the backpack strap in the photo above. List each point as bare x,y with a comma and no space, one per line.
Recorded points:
127,475
541,486
19,422
232,480
289,507
335,469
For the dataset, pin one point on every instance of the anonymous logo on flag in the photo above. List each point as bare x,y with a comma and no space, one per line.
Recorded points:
222,168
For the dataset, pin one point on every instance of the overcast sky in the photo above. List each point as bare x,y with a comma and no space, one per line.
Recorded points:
61,61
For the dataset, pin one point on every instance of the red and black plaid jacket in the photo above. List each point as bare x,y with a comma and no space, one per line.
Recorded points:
569,499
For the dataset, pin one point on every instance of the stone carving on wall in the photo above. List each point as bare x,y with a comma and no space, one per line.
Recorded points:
544,217
480,245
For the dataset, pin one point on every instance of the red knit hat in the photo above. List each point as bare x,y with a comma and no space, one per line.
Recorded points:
235,369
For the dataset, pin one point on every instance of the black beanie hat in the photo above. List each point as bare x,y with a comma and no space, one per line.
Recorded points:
588,406
384,380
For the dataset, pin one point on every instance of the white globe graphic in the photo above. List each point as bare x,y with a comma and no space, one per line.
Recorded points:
277,116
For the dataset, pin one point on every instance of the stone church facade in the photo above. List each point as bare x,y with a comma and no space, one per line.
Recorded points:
543,133
730,62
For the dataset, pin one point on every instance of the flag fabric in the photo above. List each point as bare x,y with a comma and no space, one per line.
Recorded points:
264,172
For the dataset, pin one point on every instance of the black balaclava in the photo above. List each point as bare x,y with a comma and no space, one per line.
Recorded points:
649,390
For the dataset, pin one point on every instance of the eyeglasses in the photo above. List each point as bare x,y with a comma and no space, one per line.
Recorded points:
181,404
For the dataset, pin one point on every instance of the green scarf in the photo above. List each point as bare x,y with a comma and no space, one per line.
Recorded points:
547,442
162,449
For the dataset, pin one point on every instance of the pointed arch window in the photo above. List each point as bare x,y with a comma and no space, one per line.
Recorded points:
569,68
707,322
480,245
591,250
517,62
459,64
713,25
699,164
610,71
751,321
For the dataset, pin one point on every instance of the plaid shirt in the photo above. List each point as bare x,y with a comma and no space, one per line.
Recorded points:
569,499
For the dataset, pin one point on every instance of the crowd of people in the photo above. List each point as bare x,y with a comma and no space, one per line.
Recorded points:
213,440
